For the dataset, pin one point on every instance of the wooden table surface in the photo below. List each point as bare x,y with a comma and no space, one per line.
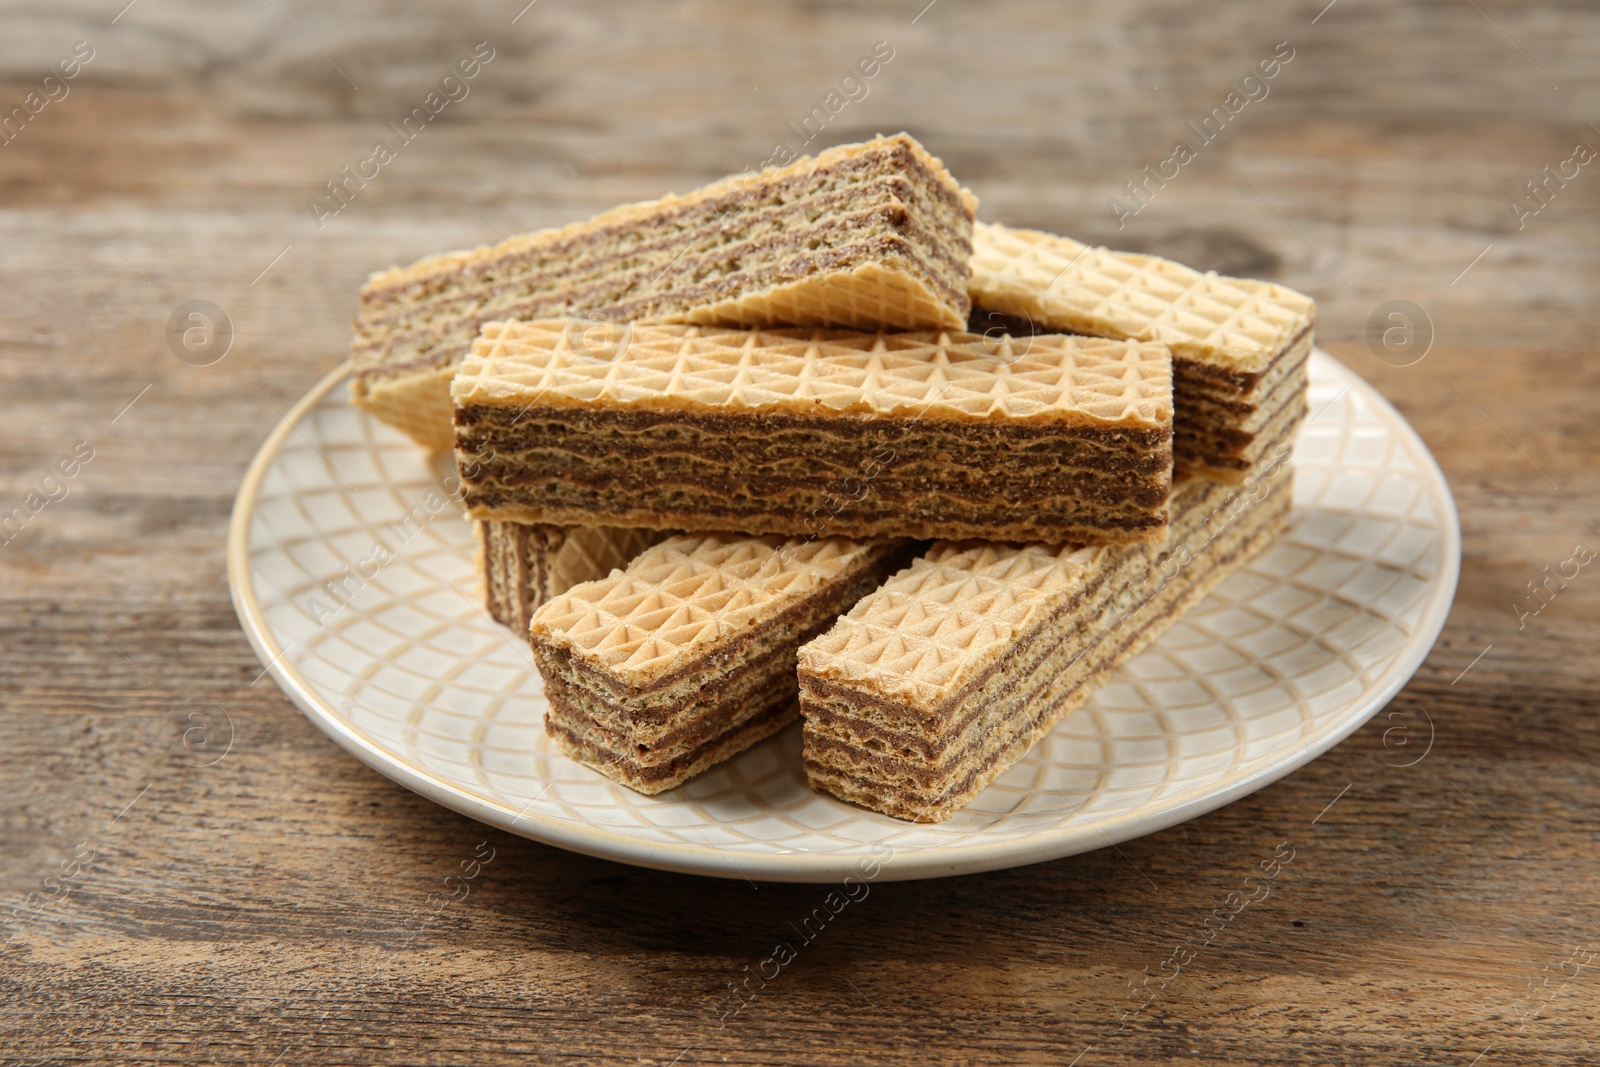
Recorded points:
245,912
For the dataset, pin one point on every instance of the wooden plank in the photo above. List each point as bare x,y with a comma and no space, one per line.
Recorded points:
267,908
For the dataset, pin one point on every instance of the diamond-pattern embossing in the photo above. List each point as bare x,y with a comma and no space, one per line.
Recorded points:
521,565
575,553
934,626
1285,658
682,596
931,374
1069,285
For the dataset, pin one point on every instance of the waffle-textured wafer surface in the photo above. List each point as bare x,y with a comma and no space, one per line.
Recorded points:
524,565
926,375
679,599
922,434
579,554
868,235
1062,284
937,625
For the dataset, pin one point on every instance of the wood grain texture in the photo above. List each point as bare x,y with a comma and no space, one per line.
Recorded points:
273,906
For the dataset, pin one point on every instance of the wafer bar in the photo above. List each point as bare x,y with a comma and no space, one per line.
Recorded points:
801,432
872,235
522,565
1239,347
956,666
686,658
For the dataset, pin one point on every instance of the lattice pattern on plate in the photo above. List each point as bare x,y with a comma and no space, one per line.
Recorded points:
1287,657
928,374
1059,282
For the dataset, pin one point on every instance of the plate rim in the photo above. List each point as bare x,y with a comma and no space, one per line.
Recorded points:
1062,839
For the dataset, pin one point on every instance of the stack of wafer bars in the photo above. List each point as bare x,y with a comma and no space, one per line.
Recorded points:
736,460
1239,347
874,235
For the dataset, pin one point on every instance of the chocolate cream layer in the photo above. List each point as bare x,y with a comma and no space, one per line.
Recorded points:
1230,456
1245,387
415,345
771,473
657,778
739,694
512,578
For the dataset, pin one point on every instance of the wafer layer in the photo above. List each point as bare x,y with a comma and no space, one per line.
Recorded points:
1230,451
806,432
523,565
873,235
1237,344
957,665
686,657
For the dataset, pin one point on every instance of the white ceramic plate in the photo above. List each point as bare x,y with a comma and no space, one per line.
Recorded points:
402,668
